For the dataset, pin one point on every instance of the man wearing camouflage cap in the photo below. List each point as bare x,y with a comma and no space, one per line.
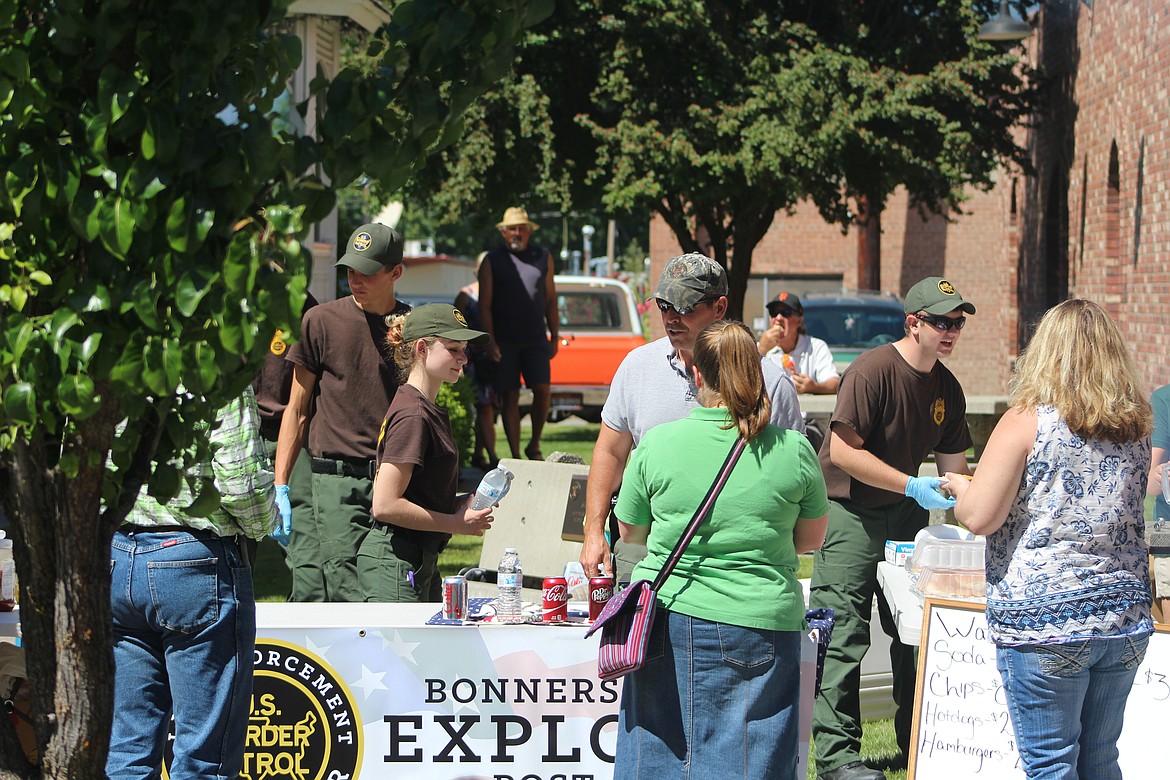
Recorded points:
897,403
654,385
344,379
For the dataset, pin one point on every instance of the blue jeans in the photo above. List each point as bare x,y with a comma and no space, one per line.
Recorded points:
1067,702
713,700
184,633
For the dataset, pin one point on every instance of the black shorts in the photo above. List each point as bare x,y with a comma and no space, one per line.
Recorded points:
528,360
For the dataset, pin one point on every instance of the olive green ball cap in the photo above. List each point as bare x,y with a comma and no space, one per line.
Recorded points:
935,295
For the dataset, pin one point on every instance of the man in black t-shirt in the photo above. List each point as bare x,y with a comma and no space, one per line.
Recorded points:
896,404
517,308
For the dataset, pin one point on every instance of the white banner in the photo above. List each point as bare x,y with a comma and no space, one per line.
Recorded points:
337,697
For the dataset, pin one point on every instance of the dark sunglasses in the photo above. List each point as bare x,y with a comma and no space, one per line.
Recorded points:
683,311
943,323
784,312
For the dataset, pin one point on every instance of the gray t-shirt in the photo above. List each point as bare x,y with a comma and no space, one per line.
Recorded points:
652,387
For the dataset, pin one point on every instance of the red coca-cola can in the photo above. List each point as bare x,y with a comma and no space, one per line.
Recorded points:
600,591
555,593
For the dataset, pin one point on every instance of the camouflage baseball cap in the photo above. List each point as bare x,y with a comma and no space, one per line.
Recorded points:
935,295
371,248
688,279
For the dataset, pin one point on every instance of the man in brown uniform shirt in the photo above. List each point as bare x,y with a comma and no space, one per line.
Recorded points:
343,366
897,403
272,387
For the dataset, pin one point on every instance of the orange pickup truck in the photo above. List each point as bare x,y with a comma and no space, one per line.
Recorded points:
599,325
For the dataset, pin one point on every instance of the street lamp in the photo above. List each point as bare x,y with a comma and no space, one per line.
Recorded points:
1004,27
587,246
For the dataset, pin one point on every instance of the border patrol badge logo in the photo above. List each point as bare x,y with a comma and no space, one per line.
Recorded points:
303,721
945,287
940,411
277,346
362,241
459,317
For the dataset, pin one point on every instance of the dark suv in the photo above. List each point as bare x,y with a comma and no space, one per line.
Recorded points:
851,322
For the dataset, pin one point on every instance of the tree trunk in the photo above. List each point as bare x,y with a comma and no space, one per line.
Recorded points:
869,243
62,556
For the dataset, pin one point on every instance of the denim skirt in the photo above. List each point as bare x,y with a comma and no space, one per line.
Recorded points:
713,700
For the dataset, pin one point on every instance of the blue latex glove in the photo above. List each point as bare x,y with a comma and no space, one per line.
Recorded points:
925,491
281,532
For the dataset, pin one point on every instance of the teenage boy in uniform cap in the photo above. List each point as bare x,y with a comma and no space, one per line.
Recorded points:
896,404
517,307
653,385
787,344
344,379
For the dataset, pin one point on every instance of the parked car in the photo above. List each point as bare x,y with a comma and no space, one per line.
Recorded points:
599,326
853,321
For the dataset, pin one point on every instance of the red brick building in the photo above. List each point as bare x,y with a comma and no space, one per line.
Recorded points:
1093,220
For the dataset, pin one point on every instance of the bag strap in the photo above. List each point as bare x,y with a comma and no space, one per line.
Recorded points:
700,513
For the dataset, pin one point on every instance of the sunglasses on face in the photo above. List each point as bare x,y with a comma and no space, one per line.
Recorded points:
682,311
942,323
784,313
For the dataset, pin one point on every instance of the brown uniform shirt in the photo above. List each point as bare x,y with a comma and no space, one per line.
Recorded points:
345,348
417,431
901,415
273,383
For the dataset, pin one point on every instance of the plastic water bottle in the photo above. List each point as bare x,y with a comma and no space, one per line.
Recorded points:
510,578
492,488
7,575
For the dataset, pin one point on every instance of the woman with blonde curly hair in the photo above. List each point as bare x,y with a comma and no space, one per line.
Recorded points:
1060,493
415,505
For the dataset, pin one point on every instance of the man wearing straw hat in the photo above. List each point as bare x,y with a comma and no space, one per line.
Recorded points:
518,309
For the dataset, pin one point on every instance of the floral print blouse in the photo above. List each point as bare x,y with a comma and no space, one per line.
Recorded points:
1070,562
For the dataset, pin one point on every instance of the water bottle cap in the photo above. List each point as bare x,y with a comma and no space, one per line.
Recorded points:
509,549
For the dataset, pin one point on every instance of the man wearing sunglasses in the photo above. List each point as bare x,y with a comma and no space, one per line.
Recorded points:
653,385
896,404
787,343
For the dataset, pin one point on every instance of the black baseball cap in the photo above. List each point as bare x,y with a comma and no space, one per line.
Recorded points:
785,300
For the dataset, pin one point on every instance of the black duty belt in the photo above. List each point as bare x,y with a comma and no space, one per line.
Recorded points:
345,467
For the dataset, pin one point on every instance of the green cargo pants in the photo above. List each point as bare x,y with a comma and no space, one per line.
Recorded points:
394,569
302,560
844,579
324,547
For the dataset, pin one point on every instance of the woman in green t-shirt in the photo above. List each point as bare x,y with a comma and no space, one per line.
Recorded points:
719,694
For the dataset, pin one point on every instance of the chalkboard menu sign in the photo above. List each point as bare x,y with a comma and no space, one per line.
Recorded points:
961,728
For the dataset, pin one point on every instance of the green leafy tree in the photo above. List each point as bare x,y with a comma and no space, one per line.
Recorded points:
149,176
716,116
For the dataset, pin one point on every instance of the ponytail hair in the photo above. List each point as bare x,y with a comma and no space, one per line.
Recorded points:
403,351
729,360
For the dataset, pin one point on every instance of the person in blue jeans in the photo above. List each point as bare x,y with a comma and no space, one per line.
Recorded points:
1060,492
719,693
184,612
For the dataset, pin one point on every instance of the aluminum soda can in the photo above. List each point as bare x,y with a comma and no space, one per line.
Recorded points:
455,597
600,591
555,597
